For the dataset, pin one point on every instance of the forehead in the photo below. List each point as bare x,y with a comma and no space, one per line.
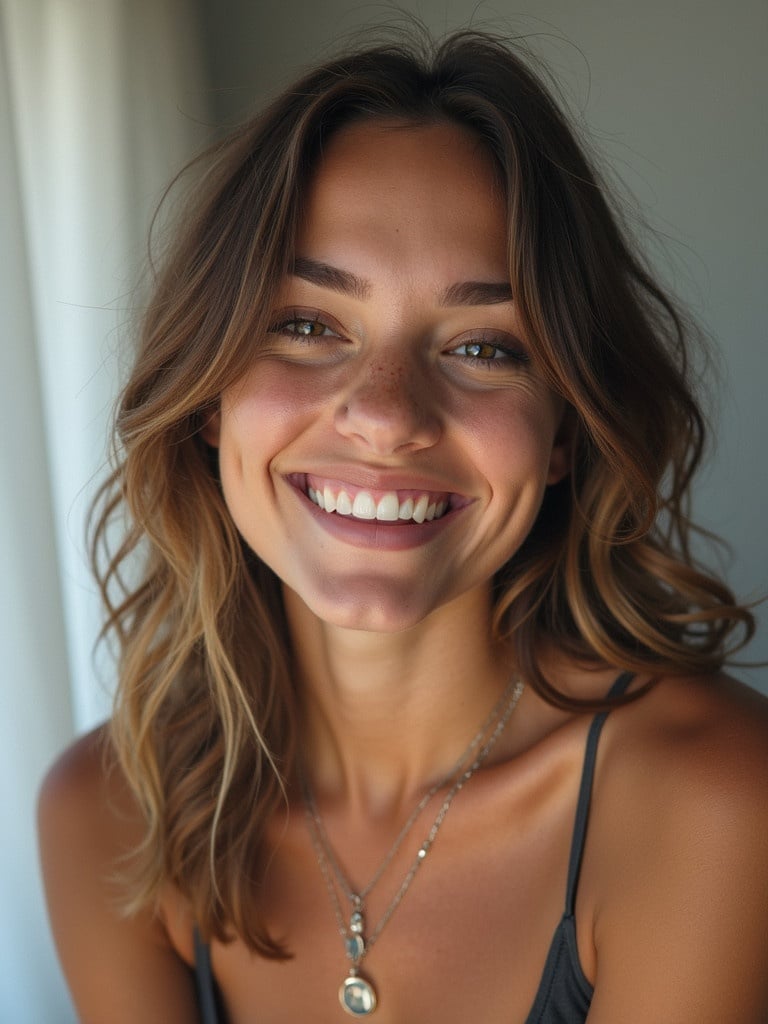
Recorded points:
416,192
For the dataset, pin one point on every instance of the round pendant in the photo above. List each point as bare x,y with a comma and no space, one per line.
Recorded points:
357,996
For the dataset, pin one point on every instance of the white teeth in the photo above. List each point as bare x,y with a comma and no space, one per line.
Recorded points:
406,509
388,510
344,504
316,496
364,507
420,509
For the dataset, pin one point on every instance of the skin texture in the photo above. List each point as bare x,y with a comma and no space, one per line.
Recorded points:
384,397
397,670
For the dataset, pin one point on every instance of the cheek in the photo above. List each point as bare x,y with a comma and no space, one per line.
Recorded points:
512,437
260,418
259,415
270,396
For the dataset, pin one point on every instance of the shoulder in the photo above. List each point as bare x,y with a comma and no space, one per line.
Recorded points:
81,781
86,812
680,843
84,806
89,824
692,746
686,772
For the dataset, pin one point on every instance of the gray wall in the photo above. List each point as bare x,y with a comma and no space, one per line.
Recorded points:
673,92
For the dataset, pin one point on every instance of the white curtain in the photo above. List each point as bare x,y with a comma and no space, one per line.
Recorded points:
100,100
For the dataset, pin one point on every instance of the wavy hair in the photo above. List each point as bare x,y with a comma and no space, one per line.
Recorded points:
204,720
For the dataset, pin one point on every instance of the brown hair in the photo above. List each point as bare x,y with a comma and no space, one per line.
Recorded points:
204,719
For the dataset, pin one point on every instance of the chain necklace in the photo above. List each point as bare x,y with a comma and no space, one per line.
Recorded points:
356,994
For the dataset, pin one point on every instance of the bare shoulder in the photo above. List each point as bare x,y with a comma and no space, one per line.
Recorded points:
694,745
681,846
119,967
88,821
83,781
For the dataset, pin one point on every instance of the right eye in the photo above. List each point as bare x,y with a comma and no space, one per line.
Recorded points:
307,326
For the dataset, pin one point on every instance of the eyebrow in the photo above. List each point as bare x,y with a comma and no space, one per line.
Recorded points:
326,276
464,293
477,293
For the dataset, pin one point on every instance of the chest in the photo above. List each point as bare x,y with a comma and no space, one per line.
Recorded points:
466,939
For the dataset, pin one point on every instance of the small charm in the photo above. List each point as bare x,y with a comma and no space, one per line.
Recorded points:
355,947
357,996
356,922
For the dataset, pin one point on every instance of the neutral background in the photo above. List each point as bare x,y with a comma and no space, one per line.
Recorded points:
101,99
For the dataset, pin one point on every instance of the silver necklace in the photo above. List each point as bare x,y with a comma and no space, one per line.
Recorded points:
356,993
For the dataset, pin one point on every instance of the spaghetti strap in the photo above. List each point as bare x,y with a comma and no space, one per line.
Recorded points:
585,793
204,980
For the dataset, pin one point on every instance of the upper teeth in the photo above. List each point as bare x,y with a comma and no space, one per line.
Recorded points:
388,508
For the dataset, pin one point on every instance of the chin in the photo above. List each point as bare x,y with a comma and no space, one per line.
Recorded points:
369,606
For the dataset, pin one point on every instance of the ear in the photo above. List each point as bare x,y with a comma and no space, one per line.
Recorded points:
562,447
211,428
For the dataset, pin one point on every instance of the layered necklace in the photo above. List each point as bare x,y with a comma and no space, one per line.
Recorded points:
356,993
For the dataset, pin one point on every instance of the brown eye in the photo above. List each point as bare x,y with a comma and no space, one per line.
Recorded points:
303,327
308,328
481,350
490,353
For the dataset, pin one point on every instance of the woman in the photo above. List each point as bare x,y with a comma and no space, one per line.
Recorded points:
419,711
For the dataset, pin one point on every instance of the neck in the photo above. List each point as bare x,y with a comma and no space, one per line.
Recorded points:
385,716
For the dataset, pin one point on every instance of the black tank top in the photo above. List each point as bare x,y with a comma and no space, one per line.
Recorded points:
564,994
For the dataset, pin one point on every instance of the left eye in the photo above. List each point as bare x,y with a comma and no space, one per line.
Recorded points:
487,352
480,350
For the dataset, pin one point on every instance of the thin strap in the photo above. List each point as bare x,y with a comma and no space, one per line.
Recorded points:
585,793
204,980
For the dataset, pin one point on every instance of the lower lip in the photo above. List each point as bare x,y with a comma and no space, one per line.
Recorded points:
373,533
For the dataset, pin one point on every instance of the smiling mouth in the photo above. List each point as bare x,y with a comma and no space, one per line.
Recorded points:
394,506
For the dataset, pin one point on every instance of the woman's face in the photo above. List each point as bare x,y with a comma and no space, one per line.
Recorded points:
389,448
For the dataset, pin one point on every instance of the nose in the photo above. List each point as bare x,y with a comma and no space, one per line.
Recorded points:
389,409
